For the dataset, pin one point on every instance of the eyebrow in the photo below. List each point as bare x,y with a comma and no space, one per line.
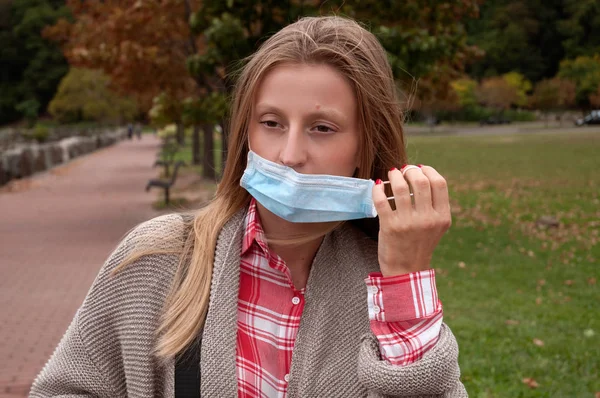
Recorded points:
327,113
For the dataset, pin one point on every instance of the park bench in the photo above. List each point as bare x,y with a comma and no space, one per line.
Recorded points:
165,184
165,164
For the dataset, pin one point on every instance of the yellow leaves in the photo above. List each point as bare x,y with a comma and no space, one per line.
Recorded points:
520,84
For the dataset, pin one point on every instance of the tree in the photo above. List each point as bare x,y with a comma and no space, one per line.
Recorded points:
432,106
517,35
466,91
495,92
585,73
553,95
425,41
141,45
84,95
520,84
32,66
580,28
595,98
205,113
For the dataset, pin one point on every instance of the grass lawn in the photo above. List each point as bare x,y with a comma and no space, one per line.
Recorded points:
523,301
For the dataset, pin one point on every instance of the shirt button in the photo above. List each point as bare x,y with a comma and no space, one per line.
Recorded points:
286,377
376,309
296,300
374,290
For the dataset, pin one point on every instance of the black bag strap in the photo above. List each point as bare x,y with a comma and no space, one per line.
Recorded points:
187,373
187,364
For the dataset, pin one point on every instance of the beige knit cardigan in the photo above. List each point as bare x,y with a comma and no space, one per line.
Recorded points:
107,349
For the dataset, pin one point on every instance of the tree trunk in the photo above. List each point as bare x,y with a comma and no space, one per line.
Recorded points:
180,134
196,145
208,160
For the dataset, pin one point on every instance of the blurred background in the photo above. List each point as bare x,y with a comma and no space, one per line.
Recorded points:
114,112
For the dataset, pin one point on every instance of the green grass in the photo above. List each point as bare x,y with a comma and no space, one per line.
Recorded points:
542,281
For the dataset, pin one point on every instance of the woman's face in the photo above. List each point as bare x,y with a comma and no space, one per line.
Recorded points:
305,117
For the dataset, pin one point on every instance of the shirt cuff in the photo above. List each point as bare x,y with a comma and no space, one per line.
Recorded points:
402,297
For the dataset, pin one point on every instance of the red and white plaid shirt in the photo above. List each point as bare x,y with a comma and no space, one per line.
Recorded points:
404,311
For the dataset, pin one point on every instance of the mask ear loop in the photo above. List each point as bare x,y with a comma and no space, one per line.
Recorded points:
412,195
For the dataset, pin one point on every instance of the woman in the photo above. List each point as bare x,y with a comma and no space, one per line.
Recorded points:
268,284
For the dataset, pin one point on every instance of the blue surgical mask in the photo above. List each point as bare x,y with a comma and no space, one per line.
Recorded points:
299,197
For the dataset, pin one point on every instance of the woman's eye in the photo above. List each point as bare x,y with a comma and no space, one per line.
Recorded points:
270,123
324,129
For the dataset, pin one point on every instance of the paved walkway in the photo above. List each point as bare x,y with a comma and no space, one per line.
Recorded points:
56,230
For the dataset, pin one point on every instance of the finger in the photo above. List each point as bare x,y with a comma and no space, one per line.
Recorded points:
420,187
384,211
439,190
401,193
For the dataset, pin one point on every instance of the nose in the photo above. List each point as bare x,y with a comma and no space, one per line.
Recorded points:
294,153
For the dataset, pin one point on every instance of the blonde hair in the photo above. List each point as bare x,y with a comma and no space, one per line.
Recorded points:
335,41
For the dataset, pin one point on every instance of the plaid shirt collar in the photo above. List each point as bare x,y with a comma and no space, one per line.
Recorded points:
253,231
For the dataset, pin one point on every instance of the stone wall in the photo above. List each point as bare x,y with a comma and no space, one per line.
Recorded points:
27,159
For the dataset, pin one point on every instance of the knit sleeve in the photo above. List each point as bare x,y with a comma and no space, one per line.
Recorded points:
70,372
436,374
107,350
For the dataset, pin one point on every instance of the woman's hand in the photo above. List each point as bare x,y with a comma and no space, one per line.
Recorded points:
409,234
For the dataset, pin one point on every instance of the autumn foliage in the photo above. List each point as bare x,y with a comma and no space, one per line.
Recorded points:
141,45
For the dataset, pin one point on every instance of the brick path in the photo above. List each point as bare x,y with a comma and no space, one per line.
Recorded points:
55,233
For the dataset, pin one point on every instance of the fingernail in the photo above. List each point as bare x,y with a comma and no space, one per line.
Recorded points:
420,165
393,168
378,181
403,166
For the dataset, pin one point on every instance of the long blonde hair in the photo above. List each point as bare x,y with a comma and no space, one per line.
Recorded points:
354,52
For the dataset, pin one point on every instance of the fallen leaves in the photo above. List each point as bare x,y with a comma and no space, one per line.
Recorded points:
538,342
462,264
511,322
531,383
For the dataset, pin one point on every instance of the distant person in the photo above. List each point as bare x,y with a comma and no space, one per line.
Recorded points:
130,131
138,131
301,278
